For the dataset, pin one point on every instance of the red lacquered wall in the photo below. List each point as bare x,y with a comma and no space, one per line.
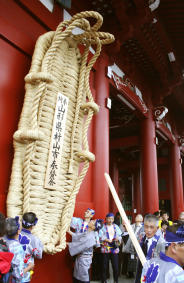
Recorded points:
14,66
21,22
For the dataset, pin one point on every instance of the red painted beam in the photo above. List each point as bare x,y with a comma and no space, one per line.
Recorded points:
18,27
135,164
127,94
48,19
129,165
163,131
124,142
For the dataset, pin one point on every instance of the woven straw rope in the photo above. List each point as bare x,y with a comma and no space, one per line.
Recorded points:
57,66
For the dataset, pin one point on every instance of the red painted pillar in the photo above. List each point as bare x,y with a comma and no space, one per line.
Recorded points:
137,193
133,196
149,173
115,180
101,140
176,182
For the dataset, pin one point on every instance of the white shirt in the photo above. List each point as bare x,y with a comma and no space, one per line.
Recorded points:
110,229
149,242
85,224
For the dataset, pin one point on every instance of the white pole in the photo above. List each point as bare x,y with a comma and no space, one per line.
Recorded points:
125,219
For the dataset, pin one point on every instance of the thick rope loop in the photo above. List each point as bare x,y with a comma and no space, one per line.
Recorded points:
78,23
25,135
90,36
83,156
90,105
89,14
37,77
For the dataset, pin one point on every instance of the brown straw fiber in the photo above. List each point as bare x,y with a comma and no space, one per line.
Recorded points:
57,66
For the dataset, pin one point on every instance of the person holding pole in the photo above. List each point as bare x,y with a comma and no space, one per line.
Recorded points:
124,217
152,242
168,267
110,238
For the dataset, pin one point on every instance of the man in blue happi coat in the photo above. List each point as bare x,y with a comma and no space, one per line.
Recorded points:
151,241
110,238
81,225
168,267
82,246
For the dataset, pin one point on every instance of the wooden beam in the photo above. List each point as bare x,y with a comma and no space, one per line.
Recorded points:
124,142
130,96
125,165
163,131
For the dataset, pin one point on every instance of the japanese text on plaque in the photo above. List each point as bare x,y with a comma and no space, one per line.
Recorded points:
56,144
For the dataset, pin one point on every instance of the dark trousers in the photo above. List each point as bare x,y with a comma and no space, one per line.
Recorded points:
138,272
124,263
78,281
105,263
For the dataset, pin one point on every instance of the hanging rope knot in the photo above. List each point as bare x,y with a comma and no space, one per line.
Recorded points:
26,135
37,77
84,155
90,14
83,24
90,105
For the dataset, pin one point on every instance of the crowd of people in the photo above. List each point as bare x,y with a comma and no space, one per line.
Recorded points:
18,248
162,243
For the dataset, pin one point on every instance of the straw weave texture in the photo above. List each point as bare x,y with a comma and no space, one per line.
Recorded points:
57,66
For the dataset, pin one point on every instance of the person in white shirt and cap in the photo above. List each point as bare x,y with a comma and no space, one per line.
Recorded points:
168,267
110,238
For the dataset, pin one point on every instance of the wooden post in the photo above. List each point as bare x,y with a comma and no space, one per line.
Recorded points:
176,181
149,175
101,140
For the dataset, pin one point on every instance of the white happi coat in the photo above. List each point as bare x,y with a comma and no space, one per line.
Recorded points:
83,243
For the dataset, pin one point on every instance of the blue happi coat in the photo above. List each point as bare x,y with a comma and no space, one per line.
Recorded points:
18,259
162,270
103,234
32,247
82,244
77,224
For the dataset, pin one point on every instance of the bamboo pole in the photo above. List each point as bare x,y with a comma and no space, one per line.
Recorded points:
125,219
